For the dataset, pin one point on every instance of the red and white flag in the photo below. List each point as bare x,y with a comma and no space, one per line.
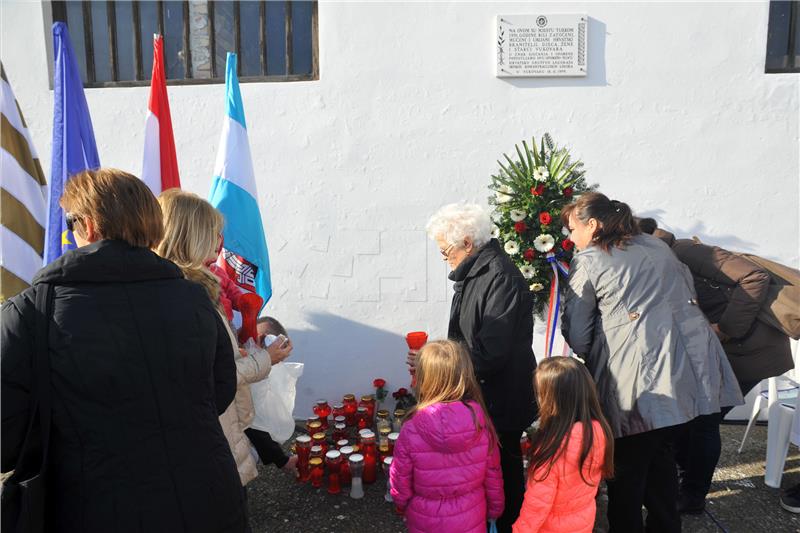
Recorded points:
160,166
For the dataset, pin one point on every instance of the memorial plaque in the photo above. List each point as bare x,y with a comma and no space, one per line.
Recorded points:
544,45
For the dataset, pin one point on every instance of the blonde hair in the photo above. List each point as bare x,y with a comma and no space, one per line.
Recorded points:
191,227
119,204
445,373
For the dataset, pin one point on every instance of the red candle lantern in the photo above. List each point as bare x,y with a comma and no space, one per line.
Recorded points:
316,471
323,411
318,439
303,450
370,453
339,432
369,403
313,426
334,461
362,418
393,441
350,406
344,475
338,410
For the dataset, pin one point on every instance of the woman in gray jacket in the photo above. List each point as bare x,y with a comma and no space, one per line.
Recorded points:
632,314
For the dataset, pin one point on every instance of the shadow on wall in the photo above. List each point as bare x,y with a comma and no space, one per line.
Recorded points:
343,356
596,74
698,229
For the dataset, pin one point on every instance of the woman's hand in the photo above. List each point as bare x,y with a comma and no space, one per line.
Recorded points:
279,351
411,360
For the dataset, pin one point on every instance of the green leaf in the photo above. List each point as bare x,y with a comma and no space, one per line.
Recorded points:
536,157
522,161
528,155
518,172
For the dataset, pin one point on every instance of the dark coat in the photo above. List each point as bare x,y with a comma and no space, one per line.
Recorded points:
631,313
492,313
141,367
730,290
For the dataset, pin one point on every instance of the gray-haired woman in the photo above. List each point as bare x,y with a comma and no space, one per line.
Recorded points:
492,314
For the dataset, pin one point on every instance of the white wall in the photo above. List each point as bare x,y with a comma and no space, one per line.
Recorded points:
676,117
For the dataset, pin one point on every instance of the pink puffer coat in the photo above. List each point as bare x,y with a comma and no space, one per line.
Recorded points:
444,475
563,502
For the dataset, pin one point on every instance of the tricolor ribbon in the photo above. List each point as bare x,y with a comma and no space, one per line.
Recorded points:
555,303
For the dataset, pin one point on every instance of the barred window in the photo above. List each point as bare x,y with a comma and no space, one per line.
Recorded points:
113,40
783,37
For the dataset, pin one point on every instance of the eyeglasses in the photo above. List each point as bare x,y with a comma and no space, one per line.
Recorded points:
446,252
71,219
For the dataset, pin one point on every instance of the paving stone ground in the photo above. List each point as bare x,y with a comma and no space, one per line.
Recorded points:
739,501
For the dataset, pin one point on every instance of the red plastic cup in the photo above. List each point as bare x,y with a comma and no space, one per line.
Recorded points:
415,340
249,305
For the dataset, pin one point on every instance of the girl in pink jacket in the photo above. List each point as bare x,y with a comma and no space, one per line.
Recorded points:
571,451
445,476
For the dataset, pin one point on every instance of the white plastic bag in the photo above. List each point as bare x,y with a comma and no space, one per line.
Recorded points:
273,399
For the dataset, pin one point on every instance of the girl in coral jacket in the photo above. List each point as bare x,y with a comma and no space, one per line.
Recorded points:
571,451
446,475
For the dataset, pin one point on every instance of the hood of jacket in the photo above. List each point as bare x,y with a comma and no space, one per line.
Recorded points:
108,261
450,427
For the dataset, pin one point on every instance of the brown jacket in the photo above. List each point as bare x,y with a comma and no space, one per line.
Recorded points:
730,291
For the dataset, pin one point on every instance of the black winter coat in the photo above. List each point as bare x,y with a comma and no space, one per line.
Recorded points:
141,367
492,313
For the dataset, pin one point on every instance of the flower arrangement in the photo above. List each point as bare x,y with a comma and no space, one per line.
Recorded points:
380,389
529,194
403,399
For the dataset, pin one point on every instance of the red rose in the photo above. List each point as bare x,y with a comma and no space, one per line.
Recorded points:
538,190
568,192
545,218
379,383
402,391
567,244
520,226
395,395
529,254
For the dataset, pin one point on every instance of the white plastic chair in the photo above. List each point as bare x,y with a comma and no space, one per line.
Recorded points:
779,388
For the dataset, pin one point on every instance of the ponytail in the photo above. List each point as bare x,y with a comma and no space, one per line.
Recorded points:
616,223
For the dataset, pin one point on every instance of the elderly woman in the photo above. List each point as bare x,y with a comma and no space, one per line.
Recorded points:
632,314
492,314
140,367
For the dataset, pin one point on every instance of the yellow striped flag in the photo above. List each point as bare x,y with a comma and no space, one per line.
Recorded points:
23,198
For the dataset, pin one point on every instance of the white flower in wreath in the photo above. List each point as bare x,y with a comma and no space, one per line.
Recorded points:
495,232
527,271
536,287
511,248
497,217
517,215
503,194
541,174
544,243
565,231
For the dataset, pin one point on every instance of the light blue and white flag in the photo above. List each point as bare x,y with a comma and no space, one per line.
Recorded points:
233,192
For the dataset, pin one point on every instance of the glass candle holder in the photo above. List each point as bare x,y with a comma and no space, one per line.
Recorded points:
362,432
313,426
315,464
333,459
344,475
341,419
387,465
323,411
382,420
316,451
318,439
337,410
393,441
339,432
350,407
356,471
362,418
341,443
370,453
302,446
383,443
398,419
369,403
